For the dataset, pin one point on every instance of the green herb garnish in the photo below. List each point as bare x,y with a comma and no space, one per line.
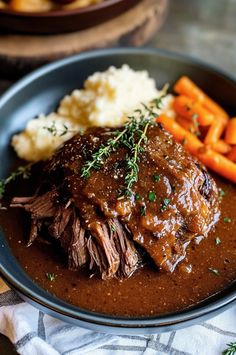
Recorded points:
217,241
227,220
58,132
214,271
156,178
231,350
113,227
51,277
138,197
194,118
152,196
196,124
134,137
143,211
221,193
165,204
23,171
104,151
132,162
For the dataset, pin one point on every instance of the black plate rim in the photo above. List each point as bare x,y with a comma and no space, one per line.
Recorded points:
76,312
109,52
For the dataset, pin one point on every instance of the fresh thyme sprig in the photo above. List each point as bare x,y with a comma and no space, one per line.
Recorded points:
134,137
231,350
58,132
23,171
123,137
97,159
142,123
132,162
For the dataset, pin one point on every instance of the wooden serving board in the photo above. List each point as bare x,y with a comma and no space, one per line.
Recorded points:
21,53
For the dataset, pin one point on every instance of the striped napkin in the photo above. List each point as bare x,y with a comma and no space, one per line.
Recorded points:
35,333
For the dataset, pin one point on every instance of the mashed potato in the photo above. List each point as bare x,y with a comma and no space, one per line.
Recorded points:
107,99
42,136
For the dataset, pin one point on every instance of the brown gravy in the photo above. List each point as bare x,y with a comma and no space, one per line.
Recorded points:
147,292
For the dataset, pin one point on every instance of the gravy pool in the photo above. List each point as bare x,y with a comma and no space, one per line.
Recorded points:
147,292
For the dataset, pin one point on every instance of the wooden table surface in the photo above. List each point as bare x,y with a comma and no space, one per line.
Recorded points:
204,29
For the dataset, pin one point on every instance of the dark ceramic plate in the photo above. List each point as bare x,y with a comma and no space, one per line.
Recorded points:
63,21
41,92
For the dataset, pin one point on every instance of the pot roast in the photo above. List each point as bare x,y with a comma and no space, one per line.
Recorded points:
174,202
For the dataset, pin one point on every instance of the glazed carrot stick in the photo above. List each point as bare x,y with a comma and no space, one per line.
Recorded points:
191,142
215,131
191,109
185,86
172,127
230,134
191,126
218,163
221,147
232,154
211,159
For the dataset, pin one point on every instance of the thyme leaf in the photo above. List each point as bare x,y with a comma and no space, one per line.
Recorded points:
227,220
143,211
58,132
50,276
156,178
23,171
113,227
138,197
231,350
152,196
214,271
221,192
165,204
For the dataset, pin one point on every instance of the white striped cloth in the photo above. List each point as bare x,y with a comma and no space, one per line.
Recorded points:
35,333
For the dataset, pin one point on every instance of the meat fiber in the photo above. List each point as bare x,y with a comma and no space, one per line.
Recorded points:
174,201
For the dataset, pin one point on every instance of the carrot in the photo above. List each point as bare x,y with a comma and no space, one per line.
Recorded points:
232,154
221,147
191,142
215,131
230,134
218,163
185,86
211,159
191,110
22,5
191,126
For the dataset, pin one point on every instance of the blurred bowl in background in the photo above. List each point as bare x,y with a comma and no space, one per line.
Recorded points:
63,21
